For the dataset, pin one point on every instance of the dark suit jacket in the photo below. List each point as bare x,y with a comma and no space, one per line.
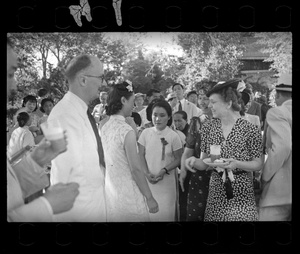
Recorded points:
255,109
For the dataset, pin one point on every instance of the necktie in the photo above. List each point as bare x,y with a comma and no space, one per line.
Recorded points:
99,143
180,106
264,139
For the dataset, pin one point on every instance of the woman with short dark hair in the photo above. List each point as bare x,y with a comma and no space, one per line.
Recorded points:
160,150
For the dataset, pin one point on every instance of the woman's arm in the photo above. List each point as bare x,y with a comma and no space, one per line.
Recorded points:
250,166
144,165
193,163
187,153
174,164
136,165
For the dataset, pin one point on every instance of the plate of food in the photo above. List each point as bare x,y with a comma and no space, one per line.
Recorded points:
216,163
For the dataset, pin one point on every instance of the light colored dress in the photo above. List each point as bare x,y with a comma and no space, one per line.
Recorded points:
125,202
164,191
20,138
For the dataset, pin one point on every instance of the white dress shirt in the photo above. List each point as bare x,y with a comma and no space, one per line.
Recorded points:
190,109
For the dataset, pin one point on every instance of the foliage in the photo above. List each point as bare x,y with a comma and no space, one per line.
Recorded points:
210,56
207,57
279,47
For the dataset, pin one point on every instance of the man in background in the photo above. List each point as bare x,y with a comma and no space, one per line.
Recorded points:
255,107
276,198
99,110
150,96
184,104
192,96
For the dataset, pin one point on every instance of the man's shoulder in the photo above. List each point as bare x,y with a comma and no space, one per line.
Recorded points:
276,112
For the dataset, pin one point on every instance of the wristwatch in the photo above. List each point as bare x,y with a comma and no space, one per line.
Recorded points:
167,172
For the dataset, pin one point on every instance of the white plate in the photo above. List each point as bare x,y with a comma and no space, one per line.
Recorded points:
208,162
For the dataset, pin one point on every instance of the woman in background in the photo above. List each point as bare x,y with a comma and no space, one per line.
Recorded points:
199,181
160,149
29,105
47,105
21,136
139,102
245,105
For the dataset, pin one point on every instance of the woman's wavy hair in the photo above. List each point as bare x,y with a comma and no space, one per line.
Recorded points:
245,99
30,98
164,104
231,94
114,104
23,118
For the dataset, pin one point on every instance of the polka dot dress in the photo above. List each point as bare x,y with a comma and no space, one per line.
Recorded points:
243,143
198,185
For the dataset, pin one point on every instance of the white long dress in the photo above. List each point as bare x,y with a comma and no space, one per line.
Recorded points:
165,191
125,202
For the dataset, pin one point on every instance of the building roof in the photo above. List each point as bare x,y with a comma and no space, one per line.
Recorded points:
252,50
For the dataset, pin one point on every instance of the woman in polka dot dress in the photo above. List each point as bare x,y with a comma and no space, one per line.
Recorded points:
241,146
199,181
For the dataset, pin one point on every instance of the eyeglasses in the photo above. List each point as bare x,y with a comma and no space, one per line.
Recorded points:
101,77
171,99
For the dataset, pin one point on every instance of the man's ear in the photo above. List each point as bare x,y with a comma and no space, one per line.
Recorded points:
81,80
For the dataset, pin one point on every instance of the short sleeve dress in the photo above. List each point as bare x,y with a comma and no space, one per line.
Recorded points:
165,191
125,202
243,143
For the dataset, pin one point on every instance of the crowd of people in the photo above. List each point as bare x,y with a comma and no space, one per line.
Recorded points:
143,157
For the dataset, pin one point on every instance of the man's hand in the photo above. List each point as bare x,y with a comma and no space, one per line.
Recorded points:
62,196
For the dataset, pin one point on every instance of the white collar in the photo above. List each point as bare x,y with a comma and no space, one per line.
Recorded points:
159,132
78,100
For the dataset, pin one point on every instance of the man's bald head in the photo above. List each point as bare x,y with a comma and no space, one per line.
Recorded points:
77,65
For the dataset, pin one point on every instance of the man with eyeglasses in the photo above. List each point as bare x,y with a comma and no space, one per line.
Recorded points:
83,162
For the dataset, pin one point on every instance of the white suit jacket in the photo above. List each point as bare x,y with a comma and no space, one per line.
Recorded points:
39,210
190,108
80,163
277,171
